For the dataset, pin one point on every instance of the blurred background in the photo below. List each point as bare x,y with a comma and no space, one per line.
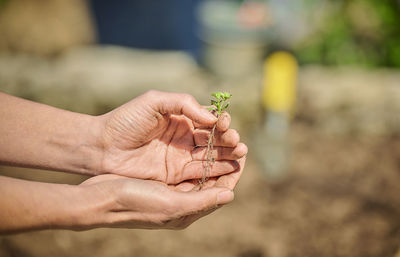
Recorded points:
316,96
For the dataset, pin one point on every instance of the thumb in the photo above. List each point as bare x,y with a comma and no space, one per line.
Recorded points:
200,201
178,104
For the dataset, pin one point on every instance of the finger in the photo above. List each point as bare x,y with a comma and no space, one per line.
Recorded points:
223,123
174,103
229,138
220,153
196,169
186,186
210,182
195,184
195,202
230,180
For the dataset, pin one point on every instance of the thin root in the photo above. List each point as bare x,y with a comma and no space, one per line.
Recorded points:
209,162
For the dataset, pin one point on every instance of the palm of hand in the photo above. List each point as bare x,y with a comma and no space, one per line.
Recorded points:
177,207
144,144
163,155
152,154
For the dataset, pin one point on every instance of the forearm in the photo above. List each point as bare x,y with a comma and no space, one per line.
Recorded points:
27,205
40,136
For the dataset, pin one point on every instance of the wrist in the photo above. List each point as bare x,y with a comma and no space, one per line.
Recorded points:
82,215
81,209
91,146
94,204
81,145
40,136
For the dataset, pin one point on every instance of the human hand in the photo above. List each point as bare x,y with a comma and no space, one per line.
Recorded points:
110,201
135,203
162,136
157,139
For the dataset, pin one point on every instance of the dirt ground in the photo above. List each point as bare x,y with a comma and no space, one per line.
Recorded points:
341,199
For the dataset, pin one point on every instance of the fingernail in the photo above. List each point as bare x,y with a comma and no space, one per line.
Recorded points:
224,197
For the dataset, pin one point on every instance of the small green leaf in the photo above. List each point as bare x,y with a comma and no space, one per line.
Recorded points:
220,104
227,95
211,109
217,95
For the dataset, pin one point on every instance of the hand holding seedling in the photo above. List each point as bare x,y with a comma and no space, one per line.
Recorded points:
146,158
164,136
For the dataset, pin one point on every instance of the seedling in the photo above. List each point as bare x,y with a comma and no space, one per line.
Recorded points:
218,106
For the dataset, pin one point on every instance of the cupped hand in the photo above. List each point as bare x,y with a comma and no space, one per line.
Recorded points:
136,203
163,136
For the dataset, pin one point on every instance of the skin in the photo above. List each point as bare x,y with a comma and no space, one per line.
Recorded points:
173,136
145,158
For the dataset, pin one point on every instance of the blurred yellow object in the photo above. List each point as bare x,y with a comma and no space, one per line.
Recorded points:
280,80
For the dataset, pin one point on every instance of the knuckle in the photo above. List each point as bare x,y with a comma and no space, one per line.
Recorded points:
187,98
152,93
171,208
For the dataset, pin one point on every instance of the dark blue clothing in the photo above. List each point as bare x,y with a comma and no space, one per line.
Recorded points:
150,24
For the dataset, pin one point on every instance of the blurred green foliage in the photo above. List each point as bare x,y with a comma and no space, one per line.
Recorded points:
356,32
2,2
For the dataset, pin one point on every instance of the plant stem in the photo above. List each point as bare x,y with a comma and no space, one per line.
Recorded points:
207,165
